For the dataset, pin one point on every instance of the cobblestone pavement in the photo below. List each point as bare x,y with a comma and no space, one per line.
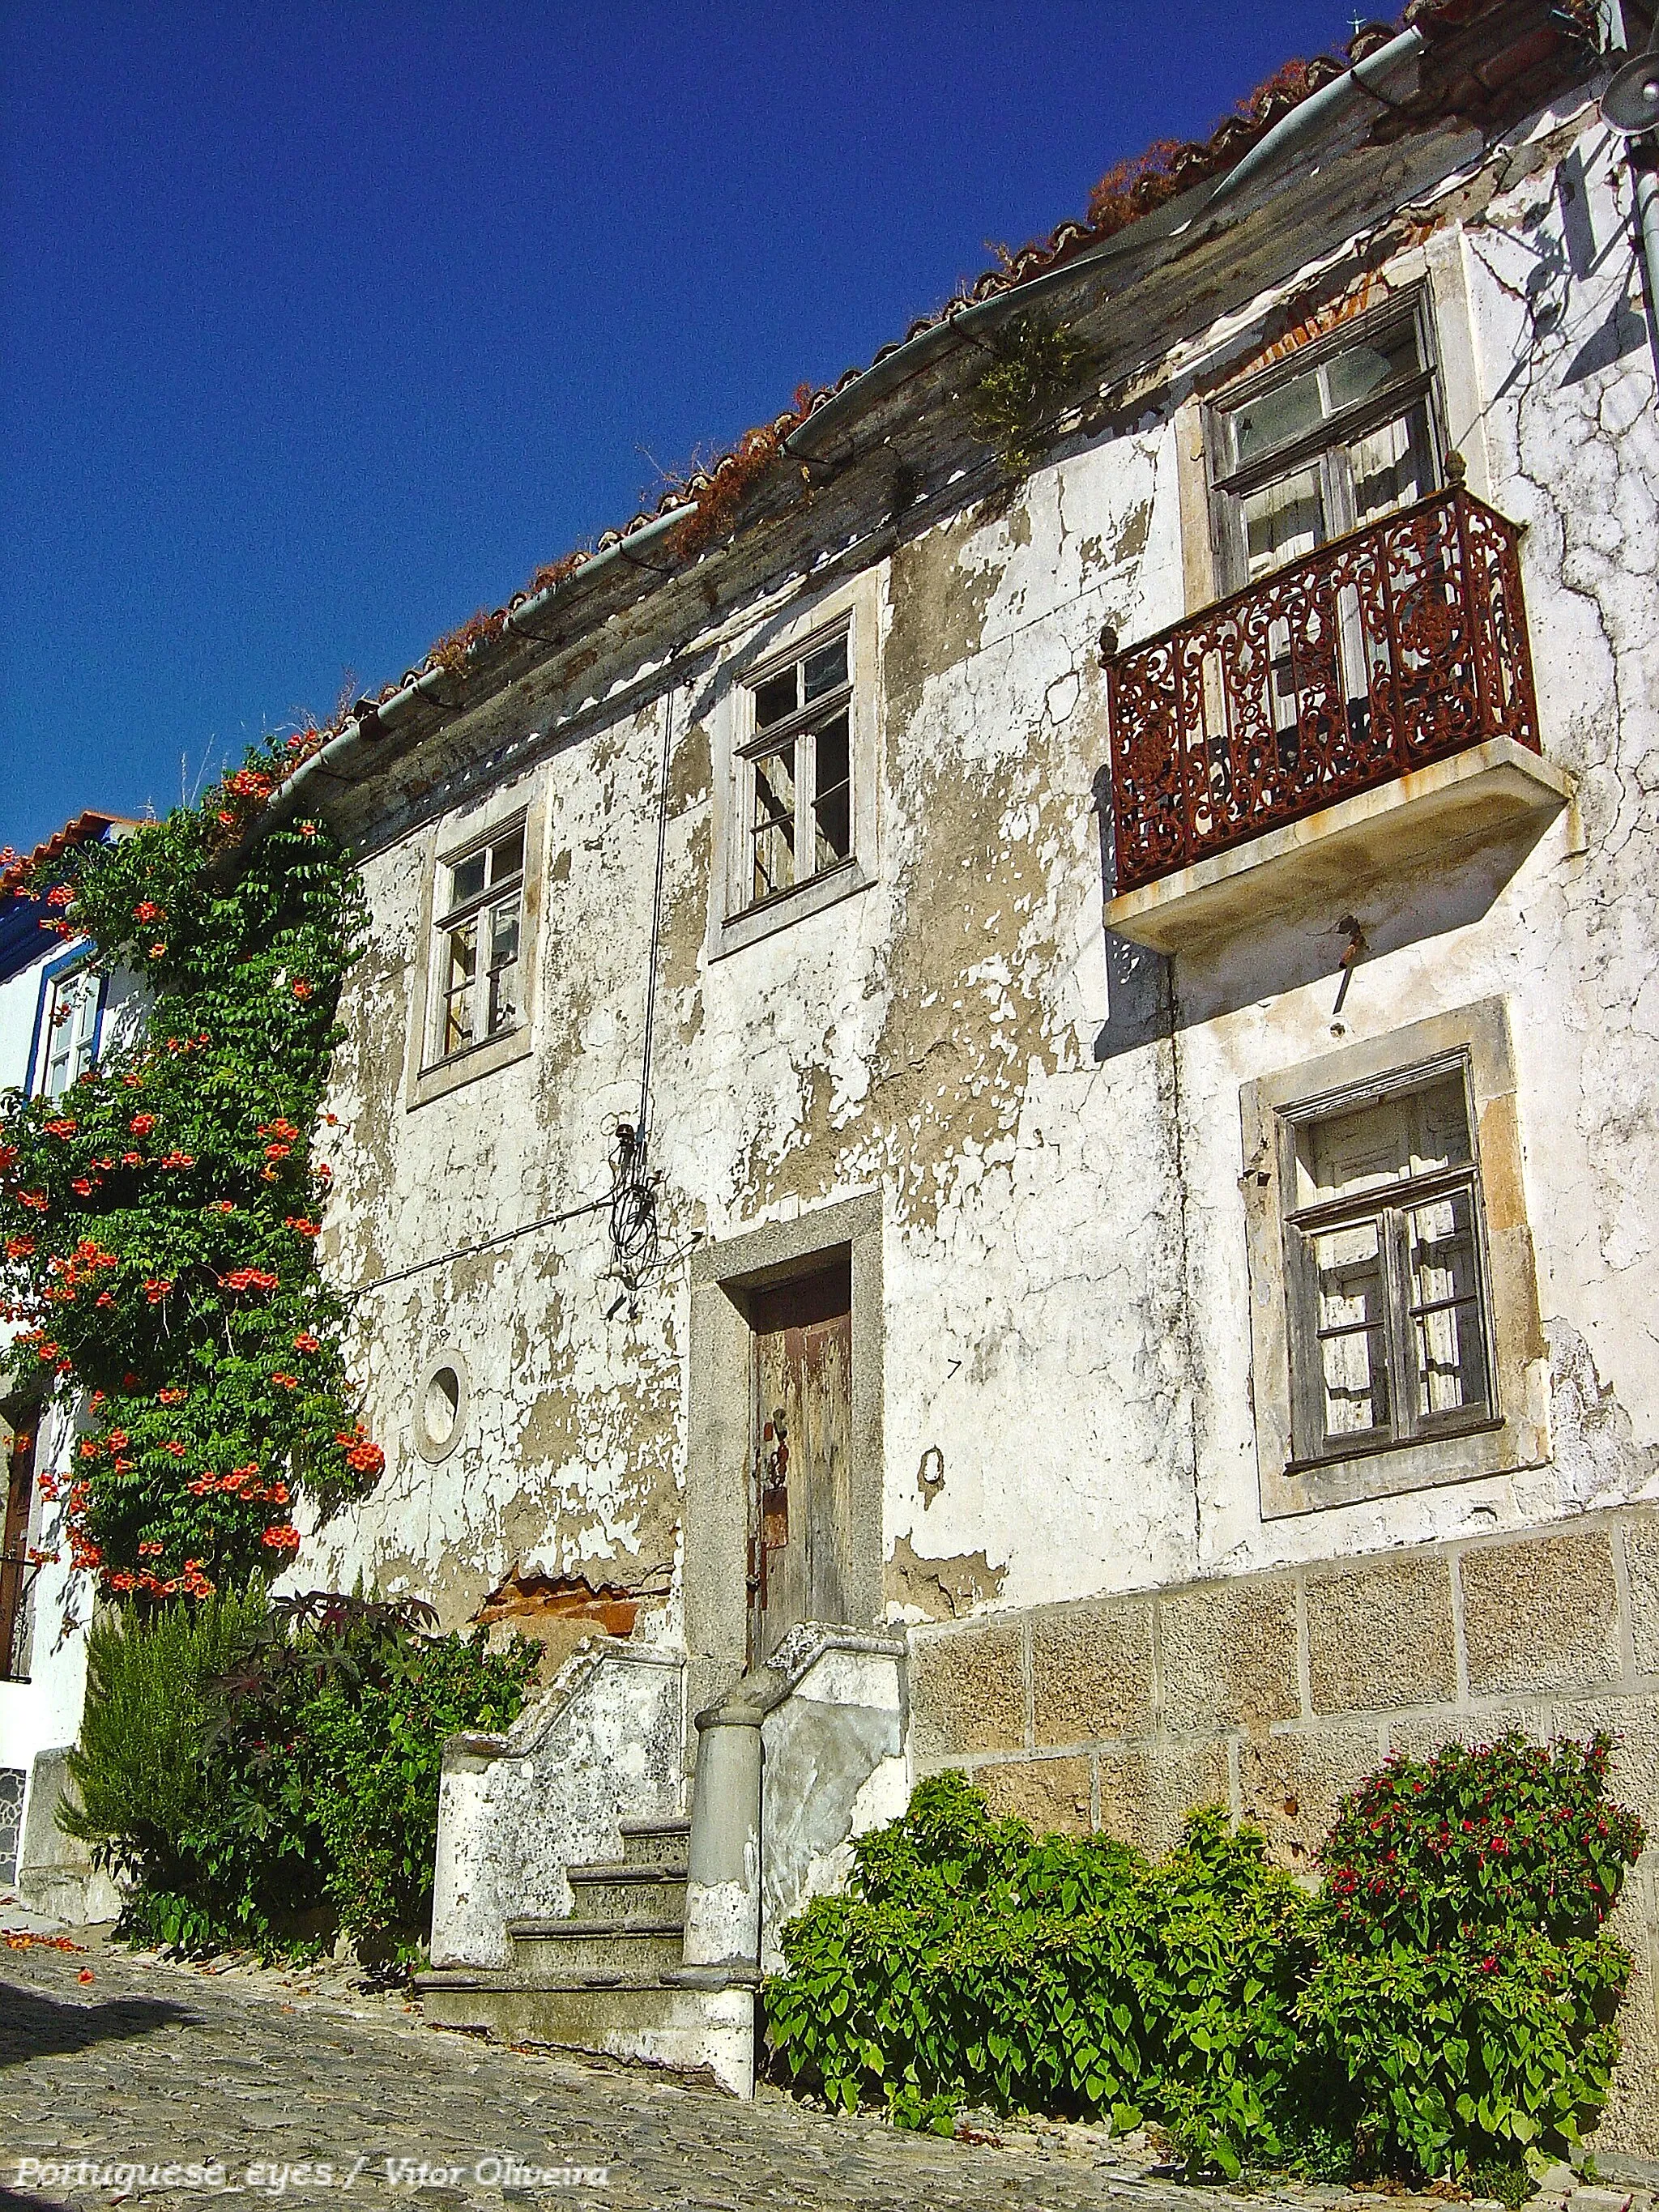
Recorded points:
150,2064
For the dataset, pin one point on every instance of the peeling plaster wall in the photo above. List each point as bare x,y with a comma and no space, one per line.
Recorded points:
1569,939
936,1036
1052,1117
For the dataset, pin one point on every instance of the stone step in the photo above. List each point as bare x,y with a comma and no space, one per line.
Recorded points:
557,1949
634,1896
651,2021
658,1843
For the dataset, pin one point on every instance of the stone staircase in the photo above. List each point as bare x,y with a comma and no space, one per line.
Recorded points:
610,1977
627,1920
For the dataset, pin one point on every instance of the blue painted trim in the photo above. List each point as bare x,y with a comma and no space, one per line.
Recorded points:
48,975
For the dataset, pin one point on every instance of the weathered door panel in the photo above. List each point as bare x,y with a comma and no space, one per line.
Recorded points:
801,1507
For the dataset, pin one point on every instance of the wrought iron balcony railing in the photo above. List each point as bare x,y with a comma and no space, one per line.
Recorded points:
1394,646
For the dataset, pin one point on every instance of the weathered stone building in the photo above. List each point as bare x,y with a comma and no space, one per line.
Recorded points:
1124,946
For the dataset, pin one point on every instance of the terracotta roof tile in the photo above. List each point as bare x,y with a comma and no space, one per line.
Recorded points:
16,867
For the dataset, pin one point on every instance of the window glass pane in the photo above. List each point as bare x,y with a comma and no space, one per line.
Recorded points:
1418,1133
1390,465
1353,1336
507,859
460,969
504,933
1359,372
1440,1127
72,1024
822,670
832,796
1445,1304
1282,521
774,826
777,697
1289,410
466,878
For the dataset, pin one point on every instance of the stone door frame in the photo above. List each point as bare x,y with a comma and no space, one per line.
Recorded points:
716,1525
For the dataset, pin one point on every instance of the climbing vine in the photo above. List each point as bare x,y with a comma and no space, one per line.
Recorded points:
158,1220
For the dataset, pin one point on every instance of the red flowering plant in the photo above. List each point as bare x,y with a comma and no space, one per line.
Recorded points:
1466,1983
150,1218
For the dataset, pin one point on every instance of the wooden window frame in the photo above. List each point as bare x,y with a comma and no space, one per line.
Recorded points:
799,732
1516,1435
430,1073
784,638
1327,444
1387,1206
491,896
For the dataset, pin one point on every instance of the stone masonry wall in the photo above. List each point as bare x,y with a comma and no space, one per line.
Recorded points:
1274,1693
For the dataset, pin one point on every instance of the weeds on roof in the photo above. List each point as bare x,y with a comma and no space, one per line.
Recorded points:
1035,366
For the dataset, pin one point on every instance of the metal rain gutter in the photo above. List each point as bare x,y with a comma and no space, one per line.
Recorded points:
1286,138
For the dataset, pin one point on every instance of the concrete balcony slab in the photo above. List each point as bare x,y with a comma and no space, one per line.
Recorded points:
1498,792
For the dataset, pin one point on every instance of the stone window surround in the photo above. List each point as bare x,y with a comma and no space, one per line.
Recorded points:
1518,1436
1435,271
447,842
436,1450
735,921
720,1420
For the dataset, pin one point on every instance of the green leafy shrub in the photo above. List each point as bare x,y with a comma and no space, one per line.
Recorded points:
306,1741
1445,2005
142,1781
973,1963
1465,1984
1033,369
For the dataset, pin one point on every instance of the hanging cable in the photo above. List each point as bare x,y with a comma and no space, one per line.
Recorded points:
644,1123
634,1236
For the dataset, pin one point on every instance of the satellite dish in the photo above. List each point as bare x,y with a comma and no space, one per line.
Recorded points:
1631,102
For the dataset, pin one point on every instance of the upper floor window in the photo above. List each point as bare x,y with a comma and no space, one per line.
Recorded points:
68,1042
479,927
1390,1309
796,769
1338,436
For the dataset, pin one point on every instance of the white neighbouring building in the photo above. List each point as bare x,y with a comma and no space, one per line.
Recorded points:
56,1019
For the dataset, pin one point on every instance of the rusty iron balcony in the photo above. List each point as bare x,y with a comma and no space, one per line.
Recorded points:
1395,647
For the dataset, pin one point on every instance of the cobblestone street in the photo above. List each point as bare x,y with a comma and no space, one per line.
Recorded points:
152,2065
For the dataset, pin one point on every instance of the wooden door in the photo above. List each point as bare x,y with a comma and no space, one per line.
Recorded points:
15,1573
800,1507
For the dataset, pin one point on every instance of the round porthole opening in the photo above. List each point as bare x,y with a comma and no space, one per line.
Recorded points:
443,1405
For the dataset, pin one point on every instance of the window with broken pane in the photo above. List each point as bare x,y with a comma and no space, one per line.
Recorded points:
1390,1321
798,770
479,942
1339,436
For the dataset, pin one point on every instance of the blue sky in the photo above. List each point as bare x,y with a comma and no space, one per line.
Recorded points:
321,327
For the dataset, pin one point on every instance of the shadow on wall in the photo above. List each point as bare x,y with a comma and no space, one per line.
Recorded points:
1288,949
34,2025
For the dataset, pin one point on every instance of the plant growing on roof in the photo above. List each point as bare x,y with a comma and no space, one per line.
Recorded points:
1034,368
158,1220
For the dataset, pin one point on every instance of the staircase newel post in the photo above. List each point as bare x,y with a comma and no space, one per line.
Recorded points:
723,1873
